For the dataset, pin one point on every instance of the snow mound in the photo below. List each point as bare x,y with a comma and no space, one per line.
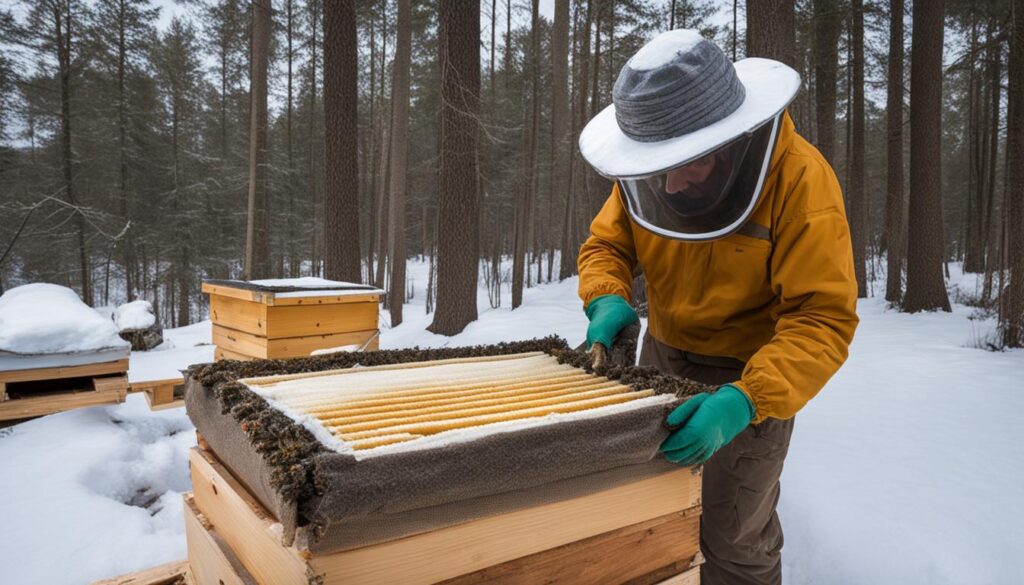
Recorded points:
43,318
663,48
134,315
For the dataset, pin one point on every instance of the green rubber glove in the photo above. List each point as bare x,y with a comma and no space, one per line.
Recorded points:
706,423
608,315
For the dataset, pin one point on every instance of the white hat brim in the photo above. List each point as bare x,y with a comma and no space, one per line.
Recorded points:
770,87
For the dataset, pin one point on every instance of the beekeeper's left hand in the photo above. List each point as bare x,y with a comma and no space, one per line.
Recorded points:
706,423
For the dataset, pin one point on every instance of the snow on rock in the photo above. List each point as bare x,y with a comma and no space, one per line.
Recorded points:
134,315
45,318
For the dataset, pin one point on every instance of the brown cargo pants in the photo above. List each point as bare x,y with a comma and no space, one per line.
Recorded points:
740,532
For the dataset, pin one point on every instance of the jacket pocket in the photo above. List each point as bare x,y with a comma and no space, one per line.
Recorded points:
739,270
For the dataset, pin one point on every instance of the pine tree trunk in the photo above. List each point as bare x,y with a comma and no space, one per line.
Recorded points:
458,221
973,250
62,36
561,149
257,238
771,31
341,146
128,245
293,252
894,153
399,155
926,289
856,195
991,221
524,205
1013,322
828,25
315,250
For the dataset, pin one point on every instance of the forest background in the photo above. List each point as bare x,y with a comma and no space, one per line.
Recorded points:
147,145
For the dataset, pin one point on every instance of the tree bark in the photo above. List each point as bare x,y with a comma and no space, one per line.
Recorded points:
828,26
524,203
560,146
1013,322
857,197
926,289
771,30
399,155
62,36
257,238
341,146
991,221
894,154
458,221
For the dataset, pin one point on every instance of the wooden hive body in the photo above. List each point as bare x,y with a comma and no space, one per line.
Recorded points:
40,391
273,322
643,532
472,465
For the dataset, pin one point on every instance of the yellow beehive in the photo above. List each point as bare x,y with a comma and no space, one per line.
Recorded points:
284,320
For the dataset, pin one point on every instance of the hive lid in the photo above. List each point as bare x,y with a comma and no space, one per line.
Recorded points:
268,290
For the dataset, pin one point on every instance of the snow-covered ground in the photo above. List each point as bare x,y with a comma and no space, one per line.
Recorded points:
908,468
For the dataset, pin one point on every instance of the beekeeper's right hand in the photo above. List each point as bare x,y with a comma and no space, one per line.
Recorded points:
608,314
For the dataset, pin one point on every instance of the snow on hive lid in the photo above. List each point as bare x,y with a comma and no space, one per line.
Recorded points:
43,318
385,409
307,286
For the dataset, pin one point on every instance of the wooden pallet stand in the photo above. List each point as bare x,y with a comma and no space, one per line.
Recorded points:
643,533
262,324
41,391
162,394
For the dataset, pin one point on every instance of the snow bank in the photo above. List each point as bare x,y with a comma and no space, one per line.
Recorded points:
134,315
45,318
907,468
93,493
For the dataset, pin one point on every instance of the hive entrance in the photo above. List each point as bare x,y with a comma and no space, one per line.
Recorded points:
384,405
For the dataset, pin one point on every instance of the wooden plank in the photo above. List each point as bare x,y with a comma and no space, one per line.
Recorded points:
656,549
691,577
270,298
83,371
210,560
238,314
61,401
111,383
149,384
219,353
240,342
281,321
434,556
247,528
324,300
167,574
235,293
155,405
303,320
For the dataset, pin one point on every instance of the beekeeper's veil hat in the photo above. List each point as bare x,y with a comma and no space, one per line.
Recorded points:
689,135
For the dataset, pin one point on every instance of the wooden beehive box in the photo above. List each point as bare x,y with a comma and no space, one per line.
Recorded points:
640,532
291,318
514,463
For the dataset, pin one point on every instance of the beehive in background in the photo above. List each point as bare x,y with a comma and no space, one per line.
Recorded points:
272,319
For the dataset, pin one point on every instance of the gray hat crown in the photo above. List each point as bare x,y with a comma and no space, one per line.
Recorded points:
662,96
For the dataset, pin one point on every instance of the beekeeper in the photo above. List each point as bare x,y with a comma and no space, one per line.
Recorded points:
737,224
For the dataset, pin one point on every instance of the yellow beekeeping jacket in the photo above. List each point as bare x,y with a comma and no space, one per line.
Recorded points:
780,295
